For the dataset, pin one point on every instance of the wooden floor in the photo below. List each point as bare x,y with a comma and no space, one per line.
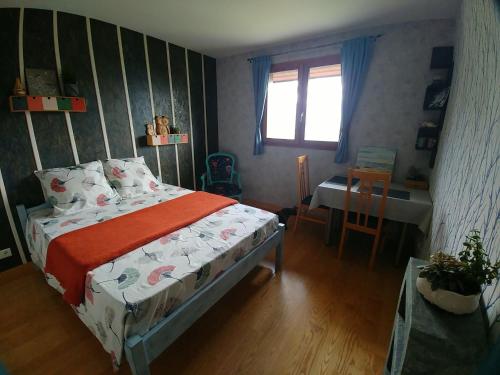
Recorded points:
320,316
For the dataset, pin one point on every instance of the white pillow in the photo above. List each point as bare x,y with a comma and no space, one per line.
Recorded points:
77,188
131,177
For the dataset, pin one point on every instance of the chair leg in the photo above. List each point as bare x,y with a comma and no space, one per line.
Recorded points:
382,244
297,218
374,251
342,241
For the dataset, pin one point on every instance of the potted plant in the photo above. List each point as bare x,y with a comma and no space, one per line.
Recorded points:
454,284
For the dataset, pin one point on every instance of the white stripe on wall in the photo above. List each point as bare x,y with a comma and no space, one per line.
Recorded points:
148,71
204,104
31,133
125,85
173,113
190,116
27,114
97,91
177,163
6,204
61,86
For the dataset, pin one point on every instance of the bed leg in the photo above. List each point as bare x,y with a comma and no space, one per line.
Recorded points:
136,356
278,262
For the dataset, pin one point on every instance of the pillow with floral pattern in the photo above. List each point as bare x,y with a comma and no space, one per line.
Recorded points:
131,177
77,188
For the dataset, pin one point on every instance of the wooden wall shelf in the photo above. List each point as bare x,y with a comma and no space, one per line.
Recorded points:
162,140
47,104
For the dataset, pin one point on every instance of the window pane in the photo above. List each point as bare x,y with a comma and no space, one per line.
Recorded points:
324,101
282,104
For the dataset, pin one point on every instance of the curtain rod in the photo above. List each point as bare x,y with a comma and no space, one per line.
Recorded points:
309,48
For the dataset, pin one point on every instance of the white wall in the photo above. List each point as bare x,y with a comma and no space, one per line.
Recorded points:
465,184
389,112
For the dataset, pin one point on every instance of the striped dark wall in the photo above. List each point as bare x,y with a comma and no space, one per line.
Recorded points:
126,78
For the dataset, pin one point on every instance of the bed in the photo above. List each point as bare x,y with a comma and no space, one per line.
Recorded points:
140,302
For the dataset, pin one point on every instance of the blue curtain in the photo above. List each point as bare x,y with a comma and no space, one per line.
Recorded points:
356,56
261,66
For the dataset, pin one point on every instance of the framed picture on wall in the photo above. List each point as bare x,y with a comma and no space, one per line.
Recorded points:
42,82
380,158
436,95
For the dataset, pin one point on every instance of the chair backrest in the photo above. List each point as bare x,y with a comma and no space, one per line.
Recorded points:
364,198
302,178
220,167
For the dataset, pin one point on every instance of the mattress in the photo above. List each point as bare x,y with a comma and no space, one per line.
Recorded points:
132,293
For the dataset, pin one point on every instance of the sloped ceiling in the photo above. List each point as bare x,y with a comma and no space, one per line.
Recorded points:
225,27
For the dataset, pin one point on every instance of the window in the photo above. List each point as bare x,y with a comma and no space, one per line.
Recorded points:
303,105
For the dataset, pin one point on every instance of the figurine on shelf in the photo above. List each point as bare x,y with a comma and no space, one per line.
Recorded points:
165,121
150,129
19,89
161,129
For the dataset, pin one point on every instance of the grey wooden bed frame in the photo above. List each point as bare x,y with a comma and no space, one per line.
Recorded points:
141,350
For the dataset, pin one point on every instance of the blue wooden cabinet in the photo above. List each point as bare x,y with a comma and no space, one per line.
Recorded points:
429,341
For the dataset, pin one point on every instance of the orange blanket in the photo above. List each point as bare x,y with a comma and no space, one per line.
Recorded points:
71,255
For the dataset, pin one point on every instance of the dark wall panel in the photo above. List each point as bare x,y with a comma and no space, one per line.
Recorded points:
158,66
181,108
50,128
197,114
211,104
75,62
16,157
114,103
17,161
140,102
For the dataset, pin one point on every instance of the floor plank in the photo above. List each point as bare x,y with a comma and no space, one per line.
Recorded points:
320,316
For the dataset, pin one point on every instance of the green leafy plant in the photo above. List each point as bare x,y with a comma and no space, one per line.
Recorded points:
466,274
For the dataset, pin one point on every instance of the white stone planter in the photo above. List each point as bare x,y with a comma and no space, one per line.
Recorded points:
450,301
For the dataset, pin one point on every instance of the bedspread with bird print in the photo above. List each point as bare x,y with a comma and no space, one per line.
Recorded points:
71,255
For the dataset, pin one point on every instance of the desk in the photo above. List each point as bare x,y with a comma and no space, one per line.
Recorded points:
416,210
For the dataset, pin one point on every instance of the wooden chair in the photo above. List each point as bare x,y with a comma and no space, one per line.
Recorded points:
304,194
364,207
